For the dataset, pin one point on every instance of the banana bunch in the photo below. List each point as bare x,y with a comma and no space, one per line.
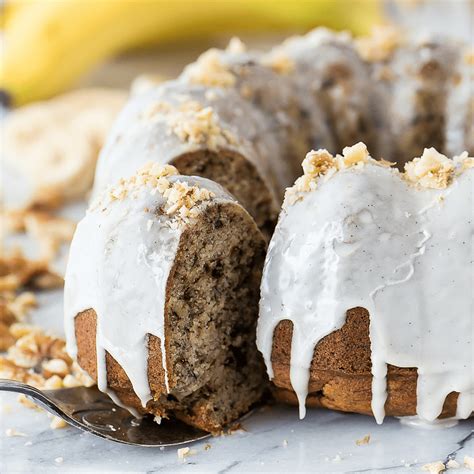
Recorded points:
48,44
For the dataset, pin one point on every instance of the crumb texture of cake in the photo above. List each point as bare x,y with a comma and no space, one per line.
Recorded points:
161,298
245,118
367,295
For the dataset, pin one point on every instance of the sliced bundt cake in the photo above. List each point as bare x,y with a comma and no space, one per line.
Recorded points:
161,298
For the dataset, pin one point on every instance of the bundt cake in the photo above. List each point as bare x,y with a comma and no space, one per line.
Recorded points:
245,119
161,298
366,296
364,302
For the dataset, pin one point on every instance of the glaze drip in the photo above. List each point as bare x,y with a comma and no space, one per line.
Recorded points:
365,237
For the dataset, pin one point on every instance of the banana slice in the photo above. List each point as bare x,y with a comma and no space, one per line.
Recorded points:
54,145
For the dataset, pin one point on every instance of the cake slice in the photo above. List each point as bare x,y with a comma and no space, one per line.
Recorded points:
161,298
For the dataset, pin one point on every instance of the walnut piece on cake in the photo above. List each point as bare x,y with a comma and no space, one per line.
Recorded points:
431,170
209,70
181,199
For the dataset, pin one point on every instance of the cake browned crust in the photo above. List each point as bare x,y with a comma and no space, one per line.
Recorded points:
340,375
215,372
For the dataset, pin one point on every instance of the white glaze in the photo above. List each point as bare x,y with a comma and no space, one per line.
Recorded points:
366,238
137,138
119,264
328,99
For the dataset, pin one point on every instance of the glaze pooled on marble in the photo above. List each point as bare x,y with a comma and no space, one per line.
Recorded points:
120,260
364,236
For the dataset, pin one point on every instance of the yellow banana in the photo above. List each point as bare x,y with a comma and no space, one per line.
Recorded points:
49,44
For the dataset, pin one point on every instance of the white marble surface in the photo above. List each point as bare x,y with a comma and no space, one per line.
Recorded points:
323,442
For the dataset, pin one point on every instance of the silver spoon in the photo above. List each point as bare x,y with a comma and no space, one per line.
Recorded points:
94,412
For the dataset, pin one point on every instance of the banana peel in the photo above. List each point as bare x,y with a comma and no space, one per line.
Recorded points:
47,45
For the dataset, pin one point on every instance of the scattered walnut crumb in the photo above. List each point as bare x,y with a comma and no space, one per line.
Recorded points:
207,447
200,127
322,163
48,230
434,467
316,163
381,43
11,432
13,308
191,122
364,440
40,359
180,198
469,462
17,271
209,70
55,367
453,464
432,170
185,452
355,155
57,423
22,399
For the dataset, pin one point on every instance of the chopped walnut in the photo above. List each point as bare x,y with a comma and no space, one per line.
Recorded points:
453,464
469,462
10,432
200,127
185,452
180,198
41,360
13,308
434,467
380,45
191,122
322,164
432,170
16,271
364,440
356,155
209,70
48,230
57,424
